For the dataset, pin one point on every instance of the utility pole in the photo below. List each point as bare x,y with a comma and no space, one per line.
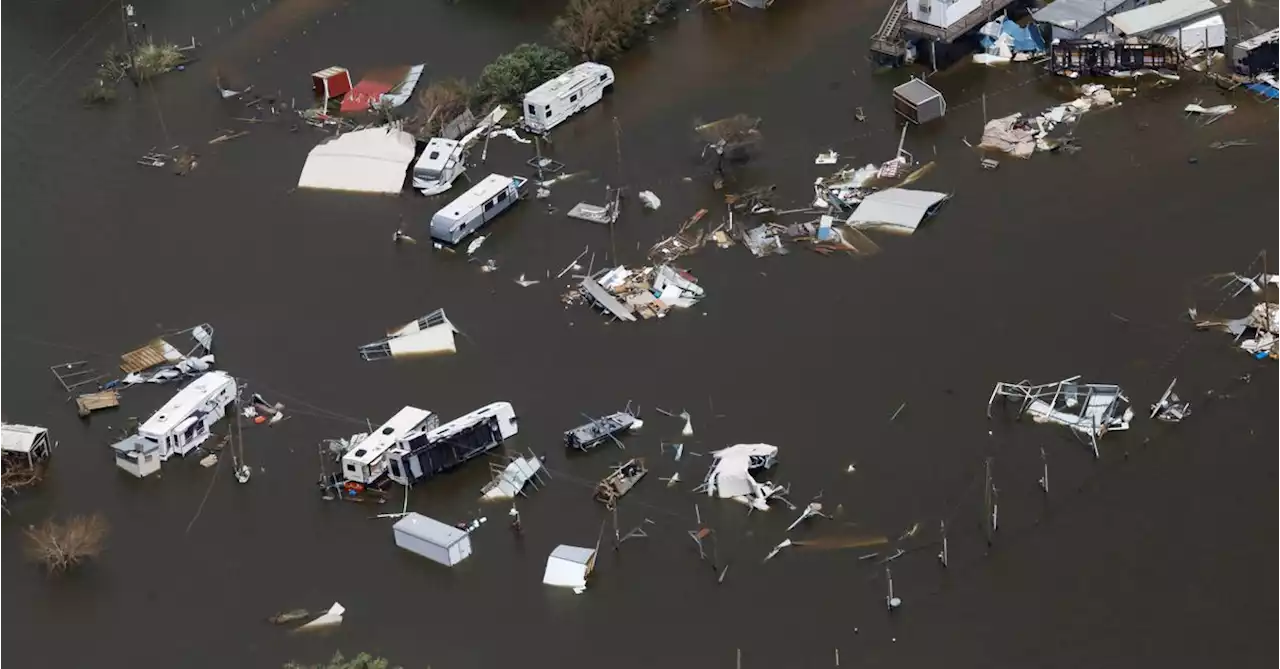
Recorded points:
126,21
942,557
989,504
1044,477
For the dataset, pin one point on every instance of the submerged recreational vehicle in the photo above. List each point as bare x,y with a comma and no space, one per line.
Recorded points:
179,426
552,103
440,163
479,205
366,462
423,455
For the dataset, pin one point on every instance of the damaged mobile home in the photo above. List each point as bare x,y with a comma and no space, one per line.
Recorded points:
181,425
1091,410
730,475
366,461
648,293
430,335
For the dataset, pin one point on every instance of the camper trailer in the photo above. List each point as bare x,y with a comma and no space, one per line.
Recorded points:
550,104
476,207
420,456
366,462
440,163
179,426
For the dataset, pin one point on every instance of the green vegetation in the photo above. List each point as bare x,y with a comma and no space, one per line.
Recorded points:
152,60
595,29
149,60
512,75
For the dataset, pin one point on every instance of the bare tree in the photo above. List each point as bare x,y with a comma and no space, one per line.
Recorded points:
438,104
16,477
61,546
597,28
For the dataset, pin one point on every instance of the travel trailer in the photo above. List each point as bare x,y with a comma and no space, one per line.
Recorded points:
419,457
366,461
476,207
440,163
179,426
550,104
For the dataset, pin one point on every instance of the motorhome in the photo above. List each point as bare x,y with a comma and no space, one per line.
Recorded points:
179,426
366,461
421,456
555,101
440,163
476,207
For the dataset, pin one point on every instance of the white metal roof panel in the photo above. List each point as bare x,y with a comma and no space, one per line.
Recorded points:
429,530
900,208
1258,40
365,161
1074,14
1161,14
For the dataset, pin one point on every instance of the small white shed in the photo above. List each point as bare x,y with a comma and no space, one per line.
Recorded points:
919,102
25,444
569,567
432,539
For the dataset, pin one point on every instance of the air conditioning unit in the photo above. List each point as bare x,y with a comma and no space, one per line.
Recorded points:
925,6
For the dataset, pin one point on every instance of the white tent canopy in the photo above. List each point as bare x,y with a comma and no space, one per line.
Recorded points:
364,161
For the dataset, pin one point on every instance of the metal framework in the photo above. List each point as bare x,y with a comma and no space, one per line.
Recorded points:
1089,409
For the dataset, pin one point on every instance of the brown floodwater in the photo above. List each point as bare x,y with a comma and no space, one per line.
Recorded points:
1152,555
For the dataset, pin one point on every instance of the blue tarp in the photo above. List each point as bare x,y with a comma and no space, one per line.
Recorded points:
1269,92
1024,39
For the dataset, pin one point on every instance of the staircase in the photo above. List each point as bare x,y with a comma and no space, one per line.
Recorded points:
888,39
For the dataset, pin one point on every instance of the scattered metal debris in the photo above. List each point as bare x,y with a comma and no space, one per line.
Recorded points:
730,476
525,283
1170,408
649,292
814,509
432,334
510,480
1089,409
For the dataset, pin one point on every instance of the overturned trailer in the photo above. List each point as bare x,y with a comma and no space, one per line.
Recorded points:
1091,410
1100,58
419,456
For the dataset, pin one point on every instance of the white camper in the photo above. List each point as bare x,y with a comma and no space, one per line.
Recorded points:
438,166
476,207
423,454
179,426
550,104
366,462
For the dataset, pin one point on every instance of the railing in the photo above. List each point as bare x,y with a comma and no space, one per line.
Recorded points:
888,39
969,21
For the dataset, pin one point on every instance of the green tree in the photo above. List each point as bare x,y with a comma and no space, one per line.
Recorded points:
512,75
361,661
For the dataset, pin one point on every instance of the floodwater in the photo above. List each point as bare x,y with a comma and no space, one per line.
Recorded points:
1056,266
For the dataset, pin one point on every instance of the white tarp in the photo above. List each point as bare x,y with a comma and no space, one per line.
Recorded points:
899,209
365,161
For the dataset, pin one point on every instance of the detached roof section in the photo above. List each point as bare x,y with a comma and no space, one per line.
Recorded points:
1074,14
20,438
1161,15
897,209
364,161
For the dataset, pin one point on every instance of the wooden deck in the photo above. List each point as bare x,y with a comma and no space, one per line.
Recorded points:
143,358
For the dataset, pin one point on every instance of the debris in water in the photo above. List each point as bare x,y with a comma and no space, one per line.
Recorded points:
688,424
650,200
671,482
475,244
827,158
1171,408
431,334
1091,410
813,509
288,616
330,618
785,543
525,283
911,532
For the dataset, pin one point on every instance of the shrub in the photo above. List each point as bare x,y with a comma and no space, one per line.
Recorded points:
594,29
512,75
61,546
438,104
361,661
153,59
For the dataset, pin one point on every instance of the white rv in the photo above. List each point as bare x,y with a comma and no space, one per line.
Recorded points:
479,205
440,163
366,462
439,449
179,426
550,104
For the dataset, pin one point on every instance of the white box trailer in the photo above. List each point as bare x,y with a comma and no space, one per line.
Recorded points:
476,207
553,102
432,539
